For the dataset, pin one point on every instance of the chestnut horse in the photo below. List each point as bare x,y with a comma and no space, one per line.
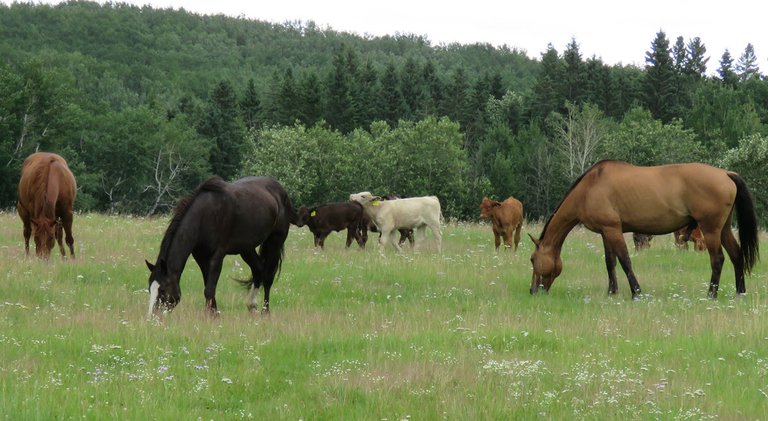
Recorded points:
47,192
613,197
220,219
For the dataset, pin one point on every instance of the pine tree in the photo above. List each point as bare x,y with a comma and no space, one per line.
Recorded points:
574,77
393,106
747,67
727,75
411,88
547,91
286,107
660,92
679,55
433,90
250,106
696,65
220,125
310,105
338,108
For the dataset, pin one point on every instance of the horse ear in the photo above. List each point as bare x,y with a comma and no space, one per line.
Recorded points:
149,265
535,241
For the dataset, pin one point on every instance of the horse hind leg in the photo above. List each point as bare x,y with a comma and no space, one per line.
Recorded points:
734,253
59,234
716,259
271,253
254,261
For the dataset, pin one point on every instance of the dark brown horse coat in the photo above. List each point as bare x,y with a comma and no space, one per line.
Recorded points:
47,192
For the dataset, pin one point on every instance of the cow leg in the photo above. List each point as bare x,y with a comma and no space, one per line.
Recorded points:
496,239
383,239
420,236
317,240
517,235
435,228
351,235
734,253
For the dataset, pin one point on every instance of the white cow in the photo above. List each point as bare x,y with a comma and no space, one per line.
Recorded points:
411,213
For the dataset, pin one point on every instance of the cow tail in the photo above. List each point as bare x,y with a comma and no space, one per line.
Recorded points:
747,223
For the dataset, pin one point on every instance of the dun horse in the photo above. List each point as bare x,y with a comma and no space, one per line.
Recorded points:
221,219
613,197
47,192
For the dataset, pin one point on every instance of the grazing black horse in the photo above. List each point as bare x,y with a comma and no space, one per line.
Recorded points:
218,219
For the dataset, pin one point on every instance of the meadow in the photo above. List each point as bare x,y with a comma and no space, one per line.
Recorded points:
353,335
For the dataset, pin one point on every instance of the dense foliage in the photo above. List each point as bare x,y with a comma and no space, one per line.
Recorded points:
146,103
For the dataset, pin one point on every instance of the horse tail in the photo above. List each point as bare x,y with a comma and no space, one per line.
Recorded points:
747,223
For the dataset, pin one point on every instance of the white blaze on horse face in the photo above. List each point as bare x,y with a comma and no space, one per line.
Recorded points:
154,291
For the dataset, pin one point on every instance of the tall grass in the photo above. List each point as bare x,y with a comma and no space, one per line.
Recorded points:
353,335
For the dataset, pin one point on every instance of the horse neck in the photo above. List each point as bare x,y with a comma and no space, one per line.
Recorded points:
559,227
178,248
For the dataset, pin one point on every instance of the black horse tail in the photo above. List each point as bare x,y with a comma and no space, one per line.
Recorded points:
747,222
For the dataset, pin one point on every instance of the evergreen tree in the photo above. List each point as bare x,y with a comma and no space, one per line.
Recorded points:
727,74
287,106
679,55
221,127
456,95
411,88
660,92
696,65
747,67
310,94
393,105
573,77
339,107
250,107
433,90
547,91
367,109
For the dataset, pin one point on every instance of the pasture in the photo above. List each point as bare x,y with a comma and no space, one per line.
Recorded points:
353,335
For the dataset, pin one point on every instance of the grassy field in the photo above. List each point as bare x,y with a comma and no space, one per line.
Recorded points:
353,335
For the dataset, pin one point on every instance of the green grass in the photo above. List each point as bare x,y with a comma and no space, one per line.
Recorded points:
353,335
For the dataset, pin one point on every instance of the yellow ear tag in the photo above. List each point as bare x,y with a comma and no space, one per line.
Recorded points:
313,213
376,202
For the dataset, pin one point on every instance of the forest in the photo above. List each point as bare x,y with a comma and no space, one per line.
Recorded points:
146,103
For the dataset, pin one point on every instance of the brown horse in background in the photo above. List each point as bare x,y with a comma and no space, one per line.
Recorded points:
47,192
613,197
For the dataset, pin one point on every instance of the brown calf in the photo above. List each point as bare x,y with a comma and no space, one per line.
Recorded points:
506,217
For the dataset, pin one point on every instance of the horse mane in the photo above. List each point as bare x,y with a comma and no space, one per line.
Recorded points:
214,184
573,186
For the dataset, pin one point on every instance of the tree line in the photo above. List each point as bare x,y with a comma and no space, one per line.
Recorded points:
146,103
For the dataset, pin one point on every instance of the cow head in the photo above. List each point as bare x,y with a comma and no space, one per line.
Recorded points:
303,216
487,206
363,197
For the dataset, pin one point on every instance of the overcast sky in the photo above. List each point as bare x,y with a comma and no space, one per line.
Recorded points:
616,31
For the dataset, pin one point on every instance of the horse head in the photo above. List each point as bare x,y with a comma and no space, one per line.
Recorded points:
547,266
45,236
164,291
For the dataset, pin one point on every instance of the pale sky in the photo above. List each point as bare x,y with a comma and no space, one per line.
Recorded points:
616,31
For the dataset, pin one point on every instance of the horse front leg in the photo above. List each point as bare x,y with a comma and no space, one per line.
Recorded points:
610,266
211,269
614,240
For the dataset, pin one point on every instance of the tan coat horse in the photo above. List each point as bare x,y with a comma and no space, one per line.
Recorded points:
613,197
47,192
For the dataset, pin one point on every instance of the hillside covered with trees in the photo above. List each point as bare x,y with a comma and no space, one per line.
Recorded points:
146,103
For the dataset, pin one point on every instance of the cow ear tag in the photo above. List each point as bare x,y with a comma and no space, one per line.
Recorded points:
375,203
313,213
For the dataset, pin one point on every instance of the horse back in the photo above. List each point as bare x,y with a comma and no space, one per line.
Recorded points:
46,183
656,200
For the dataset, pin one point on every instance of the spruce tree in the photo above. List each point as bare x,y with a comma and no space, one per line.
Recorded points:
747,67
250,106
727,75
660,91
221,126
